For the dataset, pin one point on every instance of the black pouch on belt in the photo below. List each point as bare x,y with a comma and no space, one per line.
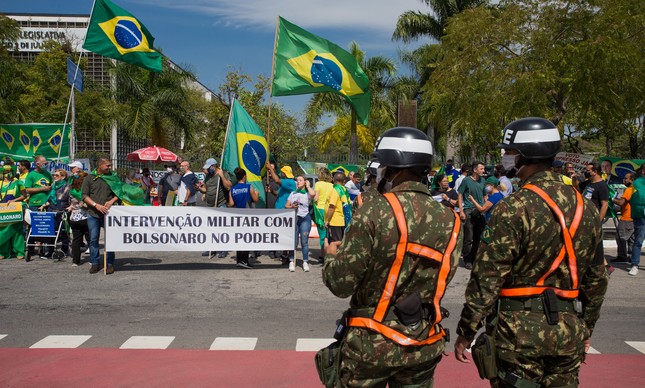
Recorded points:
550,303
409,309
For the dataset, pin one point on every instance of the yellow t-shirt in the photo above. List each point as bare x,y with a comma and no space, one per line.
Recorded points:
566,180
323,189
338,218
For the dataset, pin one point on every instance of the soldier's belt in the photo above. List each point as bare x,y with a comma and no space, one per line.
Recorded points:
534,304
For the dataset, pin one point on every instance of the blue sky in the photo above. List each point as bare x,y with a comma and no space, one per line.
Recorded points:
211,36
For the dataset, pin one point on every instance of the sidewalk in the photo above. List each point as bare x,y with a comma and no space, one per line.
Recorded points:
258,368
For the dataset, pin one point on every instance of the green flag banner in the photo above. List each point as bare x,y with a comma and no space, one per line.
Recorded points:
24,141
247,148
115,33
306,63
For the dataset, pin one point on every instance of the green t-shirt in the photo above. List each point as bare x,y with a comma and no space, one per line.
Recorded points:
471,187
36,180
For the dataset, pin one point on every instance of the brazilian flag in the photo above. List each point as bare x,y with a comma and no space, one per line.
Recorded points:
306,63
247,148
114,33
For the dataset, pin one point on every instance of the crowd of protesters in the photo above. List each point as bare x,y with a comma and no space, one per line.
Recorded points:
471,191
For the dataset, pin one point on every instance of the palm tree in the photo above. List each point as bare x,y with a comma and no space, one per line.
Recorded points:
380,71
413,25
154,105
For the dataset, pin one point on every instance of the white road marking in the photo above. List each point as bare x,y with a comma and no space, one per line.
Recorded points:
638,345
312,344
148,342
592,351
3,335
61,342
234,343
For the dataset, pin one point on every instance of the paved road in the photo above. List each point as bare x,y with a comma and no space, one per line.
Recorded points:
181,300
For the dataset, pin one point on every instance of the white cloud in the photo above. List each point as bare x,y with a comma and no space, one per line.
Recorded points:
377,16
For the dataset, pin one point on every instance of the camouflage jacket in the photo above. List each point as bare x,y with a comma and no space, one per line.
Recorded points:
361,266
518,246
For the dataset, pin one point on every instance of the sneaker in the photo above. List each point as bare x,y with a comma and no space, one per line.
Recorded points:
634,270
243,264
292,266
207,253
305,267
468,266
74,265
109,270
94,269
222,255
87,250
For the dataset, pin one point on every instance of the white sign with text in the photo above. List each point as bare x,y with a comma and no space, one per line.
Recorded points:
165,229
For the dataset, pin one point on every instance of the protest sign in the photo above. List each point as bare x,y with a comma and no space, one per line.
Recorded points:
164,229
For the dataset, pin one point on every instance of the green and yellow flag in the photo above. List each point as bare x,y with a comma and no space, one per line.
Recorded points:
24,141
247,148
306,63
114,33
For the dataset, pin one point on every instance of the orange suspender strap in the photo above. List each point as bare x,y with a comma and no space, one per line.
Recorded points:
567,248
399,338
444,271
374,323
395,269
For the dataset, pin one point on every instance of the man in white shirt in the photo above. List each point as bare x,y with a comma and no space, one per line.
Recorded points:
352,186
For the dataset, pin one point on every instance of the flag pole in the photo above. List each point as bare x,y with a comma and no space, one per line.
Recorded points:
221,159
268,134
275,46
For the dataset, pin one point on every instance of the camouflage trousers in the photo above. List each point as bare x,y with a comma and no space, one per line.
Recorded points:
355,374
547,371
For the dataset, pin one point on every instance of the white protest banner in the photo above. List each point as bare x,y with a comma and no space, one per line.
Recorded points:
187,228
579,161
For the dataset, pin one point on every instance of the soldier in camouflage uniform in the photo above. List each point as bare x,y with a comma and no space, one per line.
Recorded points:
380,266
526,257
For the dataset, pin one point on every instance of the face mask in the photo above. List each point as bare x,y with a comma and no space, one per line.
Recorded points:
169,169
379,174
489,189
587,174
74,175
509,161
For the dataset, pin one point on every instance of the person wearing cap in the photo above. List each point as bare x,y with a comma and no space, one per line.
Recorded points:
215,182
286,182
395,262
12,237
75,168
535,279
556,168
493,195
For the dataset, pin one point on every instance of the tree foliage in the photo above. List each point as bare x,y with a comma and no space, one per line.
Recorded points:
578,63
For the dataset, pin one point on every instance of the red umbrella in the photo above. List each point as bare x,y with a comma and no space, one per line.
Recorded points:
152,154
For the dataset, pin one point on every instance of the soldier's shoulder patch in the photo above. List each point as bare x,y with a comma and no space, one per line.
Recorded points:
487,234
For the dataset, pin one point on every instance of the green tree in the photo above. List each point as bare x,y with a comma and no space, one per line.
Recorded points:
380,71
412,25
157,106
573,62
12,79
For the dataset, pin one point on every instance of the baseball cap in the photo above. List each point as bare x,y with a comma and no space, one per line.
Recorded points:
287,171
491,180
209,163
76,164
557,163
